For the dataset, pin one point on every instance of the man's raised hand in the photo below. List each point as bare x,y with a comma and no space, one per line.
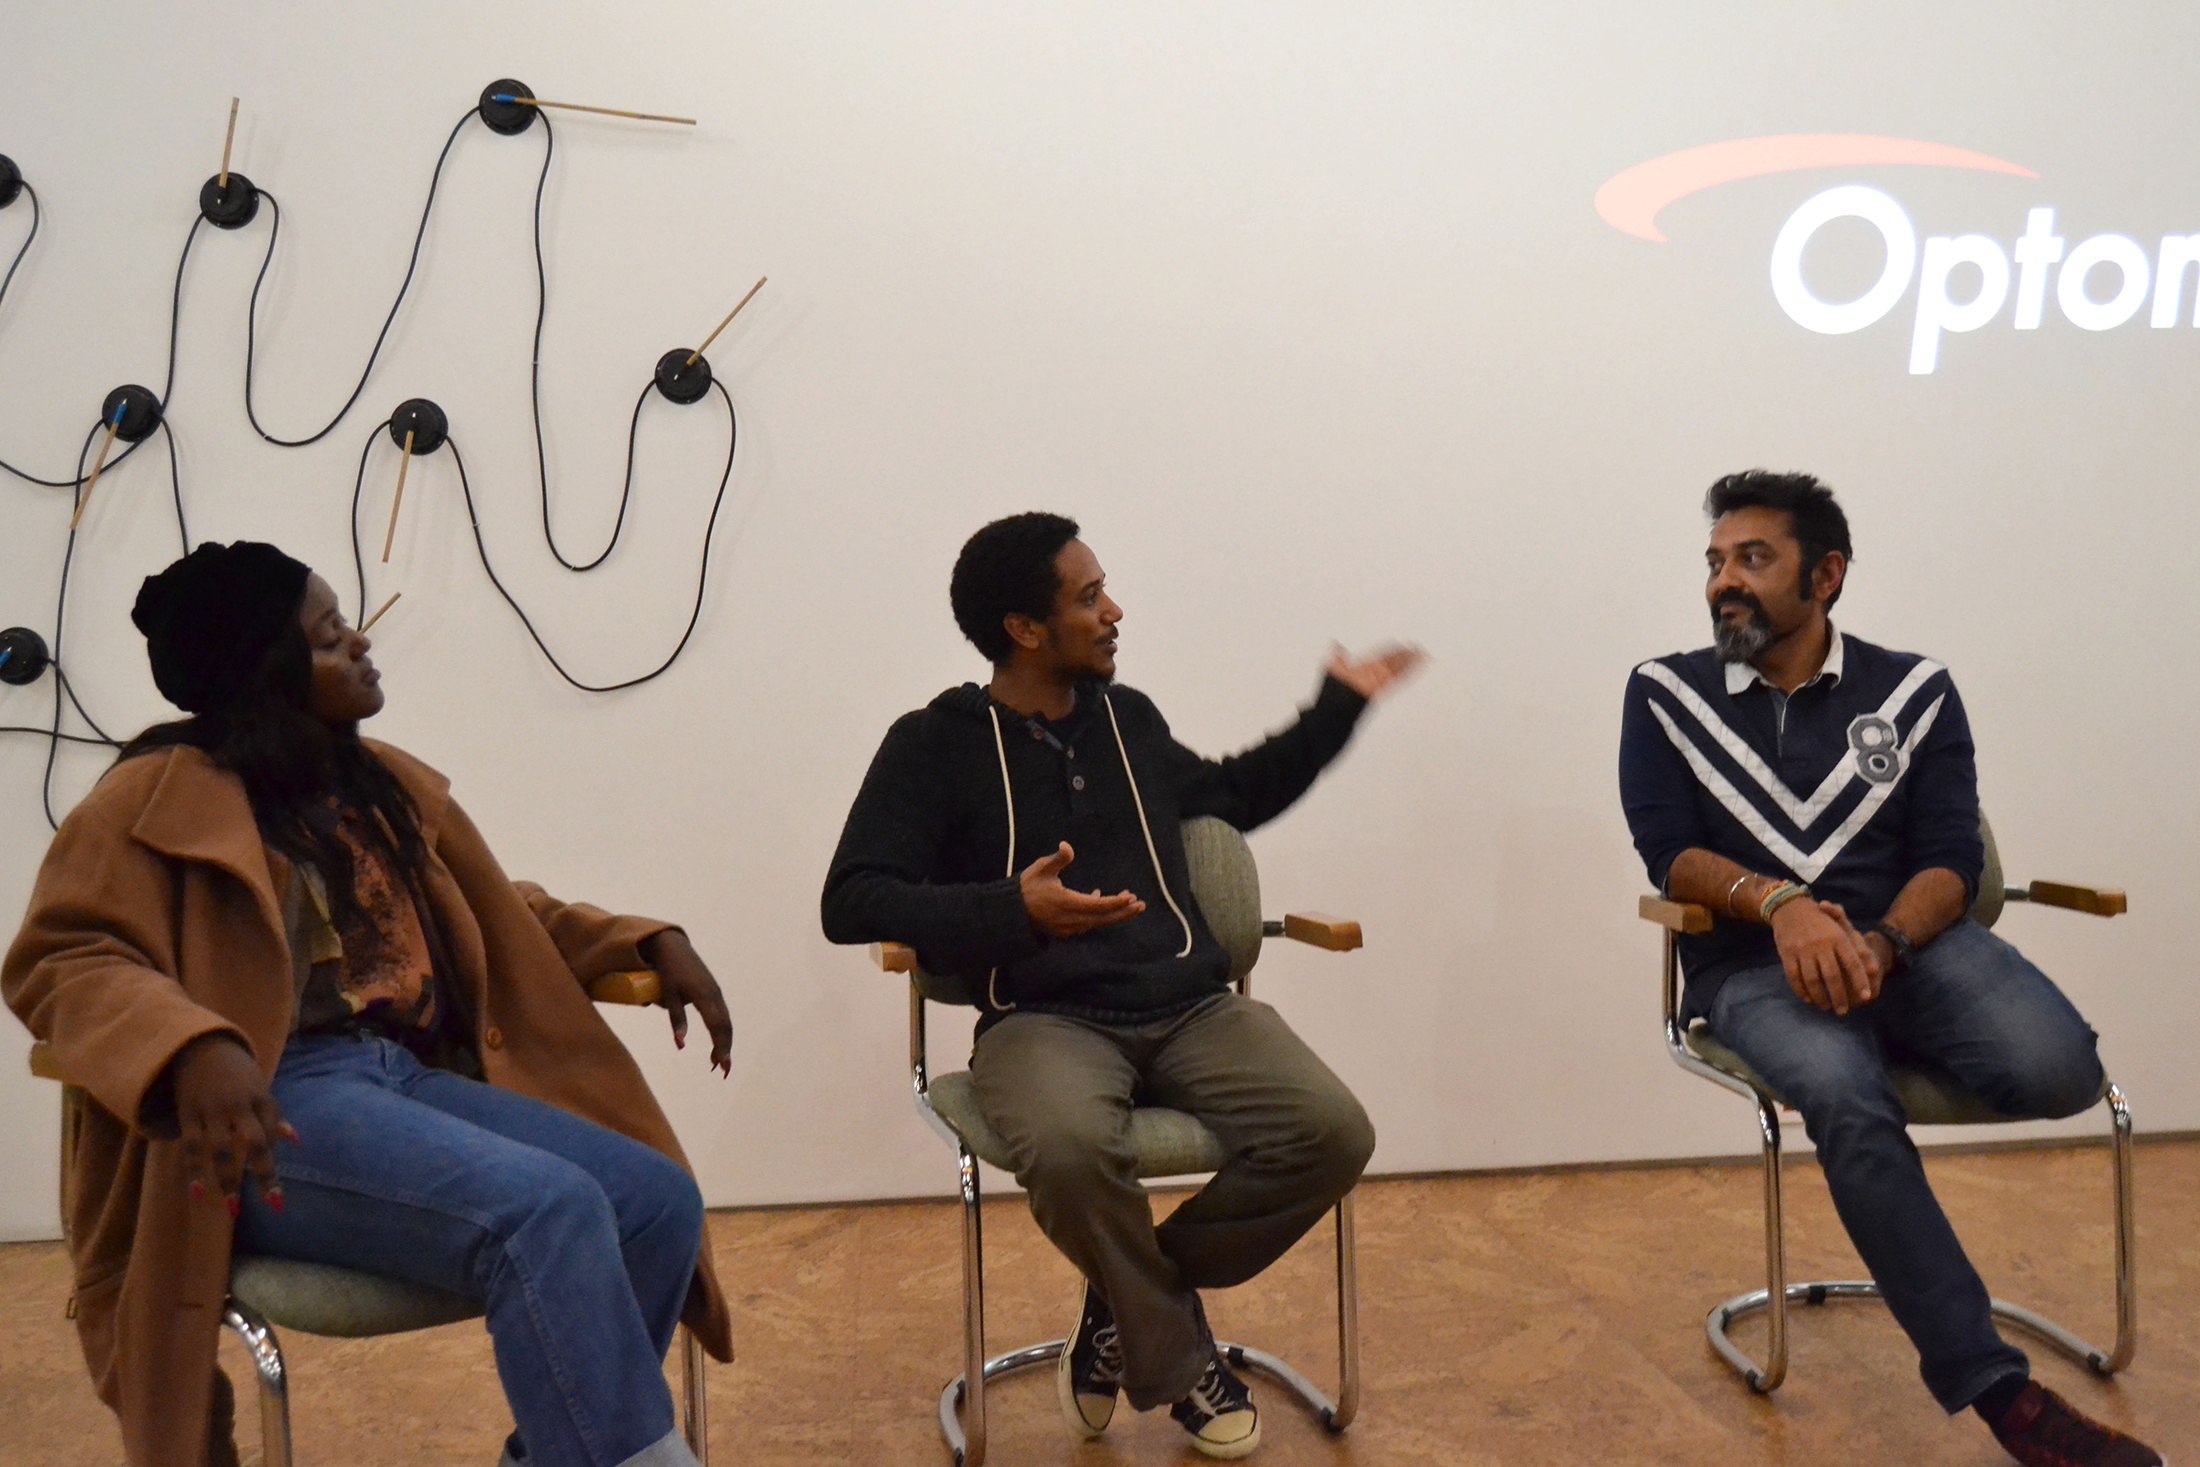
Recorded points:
1376,673
1057,911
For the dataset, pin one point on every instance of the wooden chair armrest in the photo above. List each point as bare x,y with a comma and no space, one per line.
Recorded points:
894,957
2100,901
639,987
1319,929
1675,916
43,1065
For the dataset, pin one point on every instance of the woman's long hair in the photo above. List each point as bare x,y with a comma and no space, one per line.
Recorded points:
299,773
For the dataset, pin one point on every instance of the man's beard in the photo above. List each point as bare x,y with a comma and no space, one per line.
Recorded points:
1086,674
1740,641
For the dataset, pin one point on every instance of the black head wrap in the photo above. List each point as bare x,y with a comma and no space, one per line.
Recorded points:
210,619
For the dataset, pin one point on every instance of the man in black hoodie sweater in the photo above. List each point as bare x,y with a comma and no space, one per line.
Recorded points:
1025,834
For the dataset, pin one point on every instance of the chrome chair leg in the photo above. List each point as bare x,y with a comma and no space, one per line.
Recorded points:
695,1422
1776,1335
962,1401
1772,1298
1778,1293
2099,1361
267,1363
964,1428
2127,1237
970,1451
1339,1416
1276,1368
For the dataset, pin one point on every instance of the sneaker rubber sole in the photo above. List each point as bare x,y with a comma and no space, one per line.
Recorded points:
1073,1412
1227,1451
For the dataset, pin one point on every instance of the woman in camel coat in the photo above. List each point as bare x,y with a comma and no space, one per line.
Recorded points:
286,1033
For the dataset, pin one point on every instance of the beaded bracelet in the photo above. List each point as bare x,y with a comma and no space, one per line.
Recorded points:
1780,896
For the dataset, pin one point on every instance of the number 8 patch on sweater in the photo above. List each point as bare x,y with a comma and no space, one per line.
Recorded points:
1878,748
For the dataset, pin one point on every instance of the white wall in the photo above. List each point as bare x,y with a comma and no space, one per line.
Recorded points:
1302,308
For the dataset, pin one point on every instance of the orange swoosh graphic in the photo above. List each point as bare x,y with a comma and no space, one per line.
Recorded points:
1630,201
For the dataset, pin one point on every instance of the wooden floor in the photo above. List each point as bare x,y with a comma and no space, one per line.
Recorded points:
1516,1319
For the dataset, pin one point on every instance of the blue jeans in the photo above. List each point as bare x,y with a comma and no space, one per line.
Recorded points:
1973,1004
579,1242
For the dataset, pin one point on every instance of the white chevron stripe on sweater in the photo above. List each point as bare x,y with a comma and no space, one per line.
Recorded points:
1809,865
1803,812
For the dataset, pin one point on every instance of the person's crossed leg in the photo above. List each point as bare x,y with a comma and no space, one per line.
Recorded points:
1973,1004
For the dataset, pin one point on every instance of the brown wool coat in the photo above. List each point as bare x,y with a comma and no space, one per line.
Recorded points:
155,919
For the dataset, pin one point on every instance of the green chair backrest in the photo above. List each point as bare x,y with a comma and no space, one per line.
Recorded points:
951,988
1225,890
1986,910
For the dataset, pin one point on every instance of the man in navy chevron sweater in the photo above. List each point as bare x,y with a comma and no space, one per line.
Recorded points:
1818,794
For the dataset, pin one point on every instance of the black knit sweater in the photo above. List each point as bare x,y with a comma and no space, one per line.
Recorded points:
924,857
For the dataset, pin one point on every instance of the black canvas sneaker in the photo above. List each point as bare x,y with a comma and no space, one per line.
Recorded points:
1091,1369
1219,1413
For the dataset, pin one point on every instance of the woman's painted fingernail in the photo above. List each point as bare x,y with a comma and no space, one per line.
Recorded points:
198,1191
275,1198
232,1204
289,1132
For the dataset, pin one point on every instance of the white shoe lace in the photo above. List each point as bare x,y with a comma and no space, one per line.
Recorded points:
1107,1350
1212,1394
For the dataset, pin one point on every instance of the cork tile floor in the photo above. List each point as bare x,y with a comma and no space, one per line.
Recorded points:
1514,1319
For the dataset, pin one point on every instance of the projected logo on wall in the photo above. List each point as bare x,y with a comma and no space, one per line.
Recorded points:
1630,202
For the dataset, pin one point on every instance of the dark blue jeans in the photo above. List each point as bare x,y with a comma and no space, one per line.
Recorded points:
579,1242
1972,1003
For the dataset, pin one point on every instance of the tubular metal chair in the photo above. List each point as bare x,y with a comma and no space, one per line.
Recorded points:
317,1299
1169,1143
1932,1097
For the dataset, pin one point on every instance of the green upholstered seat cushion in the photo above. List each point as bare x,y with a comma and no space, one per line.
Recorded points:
1168,1143
320,1299
1930,1095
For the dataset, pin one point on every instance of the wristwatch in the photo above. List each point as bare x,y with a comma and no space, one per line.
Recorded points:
1904,949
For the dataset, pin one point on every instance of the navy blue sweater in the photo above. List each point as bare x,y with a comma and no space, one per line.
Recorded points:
1853,784
924,857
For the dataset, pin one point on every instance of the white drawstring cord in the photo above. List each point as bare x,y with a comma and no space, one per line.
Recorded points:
1008,796
1140,803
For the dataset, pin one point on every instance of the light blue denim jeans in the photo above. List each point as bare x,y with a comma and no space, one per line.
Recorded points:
579,1242
1974,1004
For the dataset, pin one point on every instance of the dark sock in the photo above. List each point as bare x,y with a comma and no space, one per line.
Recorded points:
1994,1402
221,1424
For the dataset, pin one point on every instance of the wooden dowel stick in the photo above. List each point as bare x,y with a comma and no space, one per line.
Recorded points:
97,464
600,111
722,325
222,183
402,465
368,624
